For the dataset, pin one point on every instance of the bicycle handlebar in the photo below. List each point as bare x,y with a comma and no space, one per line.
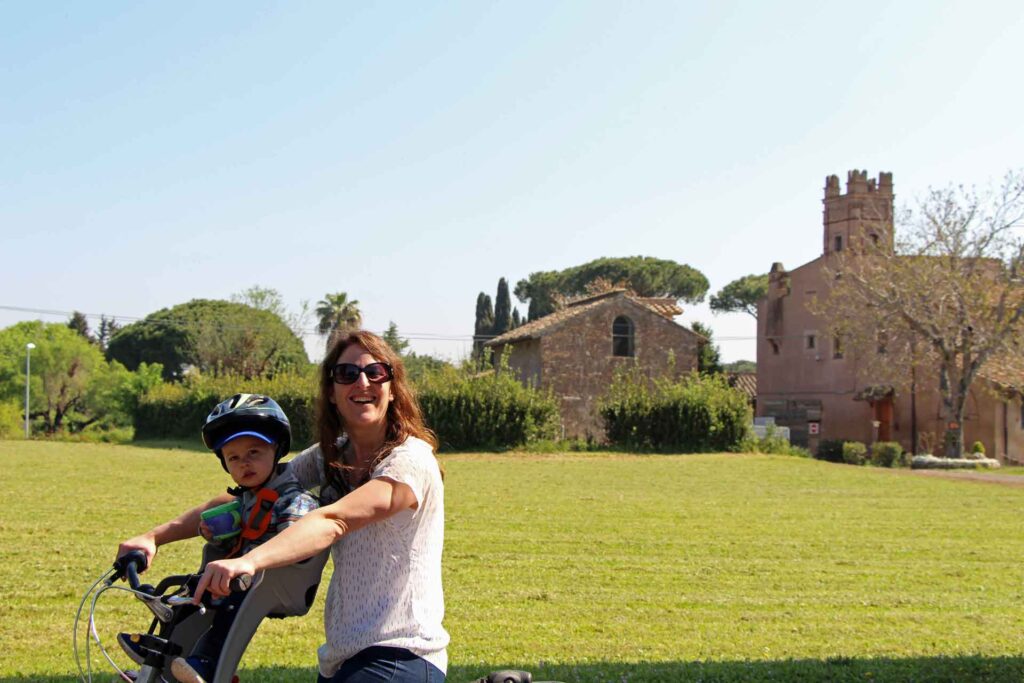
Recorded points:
131,563
128,567
240,583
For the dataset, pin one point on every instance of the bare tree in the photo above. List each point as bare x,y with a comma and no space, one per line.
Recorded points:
269,299
946,296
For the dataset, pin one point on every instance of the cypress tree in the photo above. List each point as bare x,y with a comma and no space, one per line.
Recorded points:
108,328
708,358
502,309
484,323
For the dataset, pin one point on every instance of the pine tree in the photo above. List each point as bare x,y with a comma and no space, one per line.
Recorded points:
516,318
80,324
397,343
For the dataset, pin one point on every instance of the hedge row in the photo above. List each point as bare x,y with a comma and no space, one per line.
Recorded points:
882,453
693,415
490,411
178,411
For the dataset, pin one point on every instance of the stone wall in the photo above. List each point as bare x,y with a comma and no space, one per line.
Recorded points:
578,365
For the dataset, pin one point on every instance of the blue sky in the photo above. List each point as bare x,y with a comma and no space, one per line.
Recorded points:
411,154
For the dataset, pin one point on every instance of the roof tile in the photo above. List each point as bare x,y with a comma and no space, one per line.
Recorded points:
536,328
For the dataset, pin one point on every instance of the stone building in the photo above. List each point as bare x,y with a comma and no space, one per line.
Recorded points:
806,381
575,351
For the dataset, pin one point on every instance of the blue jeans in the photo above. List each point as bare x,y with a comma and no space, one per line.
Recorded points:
379,664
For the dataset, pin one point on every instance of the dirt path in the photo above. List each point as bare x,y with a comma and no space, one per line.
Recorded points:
970,475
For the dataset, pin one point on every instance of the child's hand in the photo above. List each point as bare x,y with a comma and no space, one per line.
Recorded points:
205,532
217,577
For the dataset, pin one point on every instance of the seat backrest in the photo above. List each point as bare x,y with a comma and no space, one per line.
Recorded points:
279,592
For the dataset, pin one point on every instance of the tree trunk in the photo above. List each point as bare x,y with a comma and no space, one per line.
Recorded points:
954,398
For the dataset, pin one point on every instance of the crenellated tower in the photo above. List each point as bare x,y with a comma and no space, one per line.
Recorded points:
864,213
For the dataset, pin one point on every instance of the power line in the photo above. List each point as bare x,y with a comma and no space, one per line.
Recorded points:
170,321
303,332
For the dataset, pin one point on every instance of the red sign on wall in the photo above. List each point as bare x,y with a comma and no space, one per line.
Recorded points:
813,428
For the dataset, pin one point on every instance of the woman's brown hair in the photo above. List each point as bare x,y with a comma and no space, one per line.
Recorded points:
404,416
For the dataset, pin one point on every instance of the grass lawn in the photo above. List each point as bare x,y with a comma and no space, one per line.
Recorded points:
585,567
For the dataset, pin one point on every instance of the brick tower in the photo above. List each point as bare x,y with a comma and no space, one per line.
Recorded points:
865,212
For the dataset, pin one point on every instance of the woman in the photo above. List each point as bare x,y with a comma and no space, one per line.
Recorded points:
382,515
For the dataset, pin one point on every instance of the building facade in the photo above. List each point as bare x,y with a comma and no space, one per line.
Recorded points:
575,351
806,381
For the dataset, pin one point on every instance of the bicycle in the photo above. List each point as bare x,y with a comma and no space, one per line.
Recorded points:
177,623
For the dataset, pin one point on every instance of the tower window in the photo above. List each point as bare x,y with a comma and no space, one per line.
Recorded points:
811,341
623,333
837,346
839,243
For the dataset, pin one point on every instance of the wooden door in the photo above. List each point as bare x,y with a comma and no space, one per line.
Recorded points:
883,416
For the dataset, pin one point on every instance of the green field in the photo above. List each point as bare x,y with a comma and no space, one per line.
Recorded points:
588,567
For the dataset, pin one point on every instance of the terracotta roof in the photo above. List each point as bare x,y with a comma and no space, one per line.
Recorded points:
666,307
537,328
1006,371
744,381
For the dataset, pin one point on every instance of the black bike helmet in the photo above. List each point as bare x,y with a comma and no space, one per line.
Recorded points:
247,415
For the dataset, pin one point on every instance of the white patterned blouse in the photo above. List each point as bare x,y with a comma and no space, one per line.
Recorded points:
386,587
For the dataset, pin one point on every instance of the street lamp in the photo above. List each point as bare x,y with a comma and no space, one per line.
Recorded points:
28,365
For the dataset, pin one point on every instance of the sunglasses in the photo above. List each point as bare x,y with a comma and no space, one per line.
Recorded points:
348,373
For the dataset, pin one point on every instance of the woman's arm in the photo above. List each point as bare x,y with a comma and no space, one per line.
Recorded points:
185,525
372,502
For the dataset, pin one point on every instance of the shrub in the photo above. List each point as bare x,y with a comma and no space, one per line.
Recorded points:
978,447
486,411
772,443
830,450
178,411
691,415
854,453
887,454
12,420
490,412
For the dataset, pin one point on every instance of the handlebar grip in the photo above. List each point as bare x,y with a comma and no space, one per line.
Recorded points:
240,583
129,565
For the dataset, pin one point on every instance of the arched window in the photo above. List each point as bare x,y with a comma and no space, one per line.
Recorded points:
622,337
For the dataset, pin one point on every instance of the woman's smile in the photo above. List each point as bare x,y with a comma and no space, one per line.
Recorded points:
362,403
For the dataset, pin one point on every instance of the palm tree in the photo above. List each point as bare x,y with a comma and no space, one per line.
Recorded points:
336,312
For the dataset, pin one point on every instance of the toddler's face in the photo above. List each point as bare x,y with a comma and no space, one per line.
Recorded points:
249,460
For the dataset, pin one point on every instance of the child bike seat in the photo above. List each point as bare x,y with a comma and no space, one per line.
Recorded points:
275,593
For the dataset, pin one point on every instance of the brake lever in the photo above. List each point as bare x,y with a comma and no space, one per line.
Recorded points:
159,609
176,600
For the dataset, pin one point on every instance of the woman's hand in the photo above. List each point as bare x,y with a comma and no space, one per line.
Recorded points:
145,543
217,577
